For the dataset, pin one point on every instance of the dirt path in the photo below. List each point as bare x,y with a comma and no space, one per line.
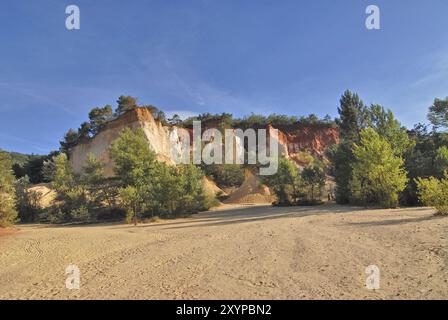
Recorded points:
250,253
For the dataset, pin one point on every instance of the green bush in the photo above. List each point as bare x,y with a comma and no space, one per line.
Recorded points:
27,201
8,213
225,175
433,192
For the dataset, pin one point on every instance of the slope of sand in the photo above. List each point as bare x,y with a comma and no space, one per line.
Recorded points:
235,253
251,191
210,186
47,195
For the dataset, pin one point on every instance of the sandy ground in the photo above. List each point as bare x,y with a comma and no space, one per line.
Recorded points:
235,253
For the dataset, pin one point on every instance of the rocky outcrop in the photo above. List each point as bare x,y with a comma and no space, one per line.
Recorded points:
166,141
171,142
311,139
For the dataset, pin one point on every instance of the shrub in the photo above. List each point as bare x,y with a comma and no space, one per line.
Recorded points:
27,201
434,193
284,183
225,175
8,213
313,178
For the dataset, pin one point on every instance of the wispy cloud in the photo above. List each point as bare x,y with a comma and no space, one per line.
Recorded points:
177,80
33,91
435,68
30,143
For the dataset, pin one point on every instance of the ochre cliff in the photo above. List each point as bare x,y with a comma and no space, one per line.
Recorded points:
169,142
311,139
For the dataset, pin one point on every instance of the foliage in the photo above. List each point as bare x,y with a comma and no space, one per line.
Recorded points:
149,187
313,178
352,116
63,179
226,120
27,201
124,104
225,175
385,124
425,160
378,174
8,213
438,113
285,183
71,139
434,192
48,169
441,161
352,119
134,160
98,118
175,120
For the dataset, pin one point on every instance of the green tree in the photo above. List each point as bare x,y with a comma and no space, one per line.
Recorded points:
284,183
352,116
63,179
441,161
131,200
313,178
48,169
134,159
378,175
438,113
99,117
27,201
100,191
385,124
84,131
135,167
225,175
8,213
175,120
125,103
193,196
71,139
434,192
71,194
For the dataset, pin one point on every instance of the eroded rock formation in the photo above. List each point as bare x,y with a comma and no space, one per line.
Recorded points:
170,142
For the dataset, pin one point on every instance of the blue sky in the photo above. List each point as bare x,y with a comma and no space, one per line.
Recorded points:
237,56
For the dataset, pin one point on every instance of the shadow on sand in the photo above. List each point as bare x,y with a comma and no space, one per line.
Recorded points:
251,214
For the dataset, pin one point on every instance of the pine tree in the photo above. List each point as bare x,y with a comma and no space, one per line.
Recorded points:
378,175
98,118
352,118
438,113
125,103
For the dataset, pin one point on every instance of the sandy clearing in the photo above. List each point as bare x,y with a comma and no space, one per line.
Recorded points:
255,252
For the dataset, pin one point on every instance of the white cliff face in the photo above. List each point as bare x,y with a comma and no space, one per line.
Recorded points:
167,142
